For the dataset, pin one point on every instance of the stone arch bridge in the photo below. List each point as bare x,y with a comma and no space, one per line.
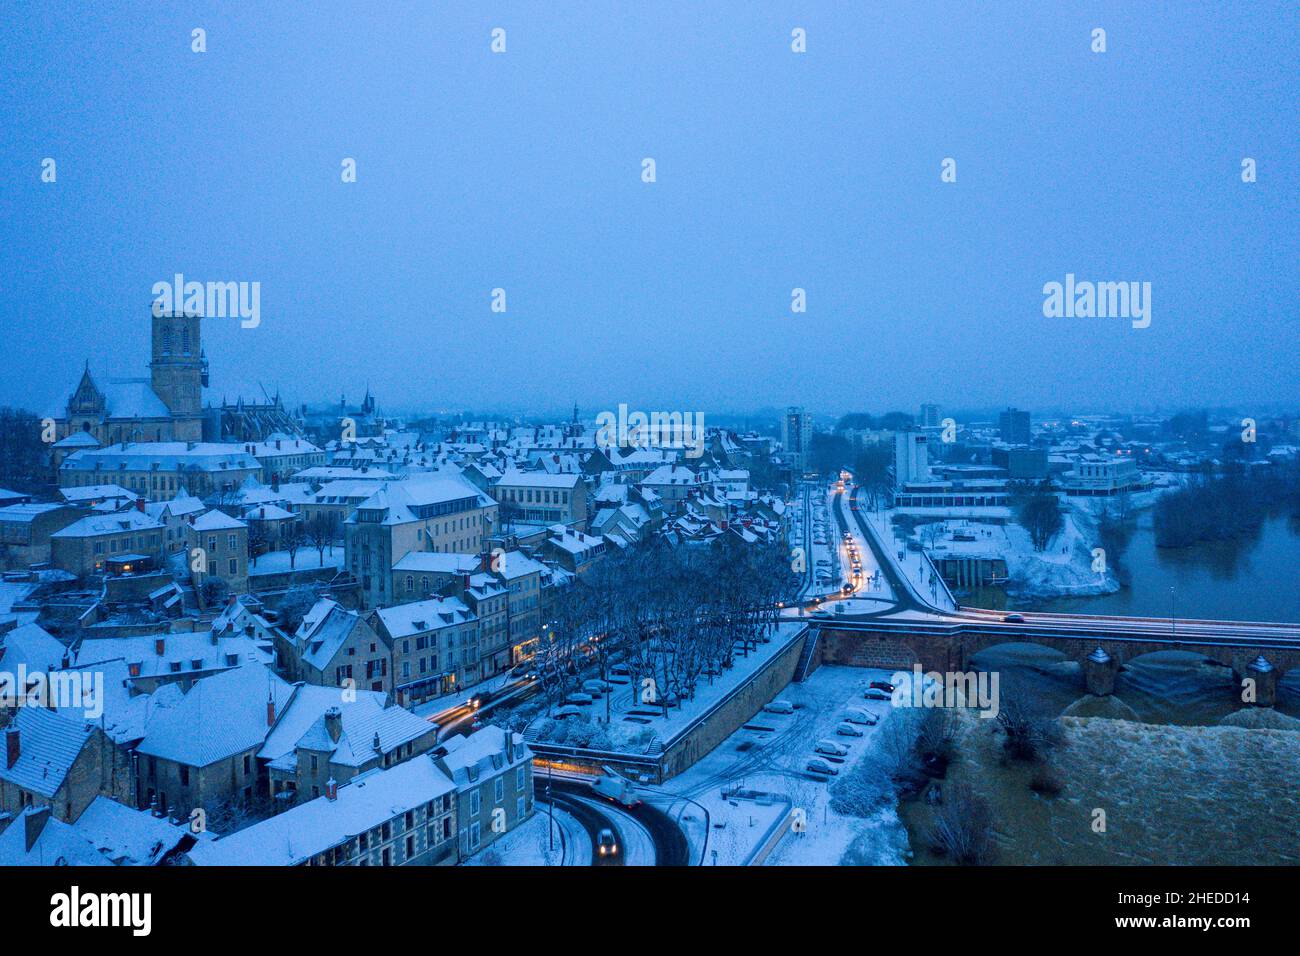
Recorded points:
1101,645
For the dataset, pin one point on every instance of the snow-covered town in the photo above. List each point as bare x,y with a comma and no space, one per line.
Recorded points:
673,445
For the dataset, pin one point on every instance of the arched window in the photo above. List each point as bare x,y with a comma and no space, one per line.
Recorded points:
167,341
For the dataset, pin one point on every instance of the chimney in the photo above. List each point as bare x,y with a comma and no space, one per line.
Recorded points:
270,709
378,744
213,635
33,823
139,505
334,723
331,789
277,444
160,646
13,747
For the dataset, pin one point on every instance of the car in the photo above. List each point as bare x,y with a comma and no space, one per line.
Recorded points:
884,685
856,715
818,765
479,698
875,693
1014,618
580,699
779,707
567,711
846,729
606,845
621,670
831,748
595,687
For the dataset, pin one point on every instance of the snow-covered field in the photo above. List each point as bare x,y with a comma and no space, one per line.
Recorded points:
770,756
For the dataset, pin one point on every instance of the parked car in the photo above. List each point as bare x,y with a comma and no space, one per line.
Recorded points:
832,748
818,765
856,715
595,687
779,707
566,711
884,685
875,693
580,699
848,730
606,845
621,670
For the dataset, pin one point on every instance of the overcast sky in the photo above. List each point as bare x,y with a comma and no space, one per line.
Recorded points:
775,171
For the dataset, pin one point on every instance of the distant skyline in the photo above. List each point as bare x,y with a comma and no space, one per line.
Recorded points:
775,171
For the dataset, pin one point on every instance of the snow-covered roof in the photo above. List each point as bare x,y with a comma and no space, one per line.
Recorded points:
219,717
165,456
31,646
95,525
436,562
216,520
301,832
49,744
419,617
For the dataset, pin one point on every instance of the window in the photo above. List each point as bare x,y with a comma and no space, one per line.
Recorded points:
410,847
499,790
475,804
520,783
521,808
473,835
247,764
234,566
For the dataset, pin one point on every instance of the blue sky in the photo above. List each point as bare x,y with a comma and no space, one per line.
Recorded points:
775,170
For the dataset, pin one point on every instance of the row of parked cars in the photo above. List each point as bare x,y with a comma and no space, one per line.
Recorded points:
853,724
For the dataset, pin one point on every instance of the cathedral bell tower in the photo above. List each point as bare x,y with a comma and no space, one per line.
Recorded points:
178,371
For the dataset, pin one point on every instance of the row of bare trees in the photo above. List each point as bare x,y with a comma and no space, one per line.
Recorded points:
673,616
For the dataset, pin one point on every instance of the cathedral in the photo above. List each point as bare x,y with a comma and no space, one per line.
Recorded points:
166,406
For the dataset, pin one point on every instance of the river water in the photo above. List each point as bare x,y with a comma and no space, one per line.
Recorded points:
1254,579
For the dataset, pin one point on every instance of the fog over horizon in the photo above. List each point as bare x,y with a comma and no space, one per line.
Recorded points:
774,170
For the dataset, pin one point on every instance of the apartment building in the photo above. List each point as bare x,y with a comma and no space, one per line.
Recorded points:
492,772
536,497
402,816
435,513
158,470
333,646
435,647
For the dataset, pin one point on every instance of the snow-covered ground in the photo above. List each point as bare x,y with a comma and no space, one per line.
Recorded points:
275,562
770,756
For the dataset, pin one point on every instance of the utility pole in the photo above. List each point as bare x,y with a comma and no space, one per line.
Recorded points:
550,804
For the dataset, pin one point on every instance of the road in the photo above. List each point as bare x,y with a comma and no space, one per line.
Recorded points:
646,835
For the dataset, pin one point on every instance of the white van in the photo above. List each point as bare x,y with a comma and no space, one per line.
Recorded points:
779,707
